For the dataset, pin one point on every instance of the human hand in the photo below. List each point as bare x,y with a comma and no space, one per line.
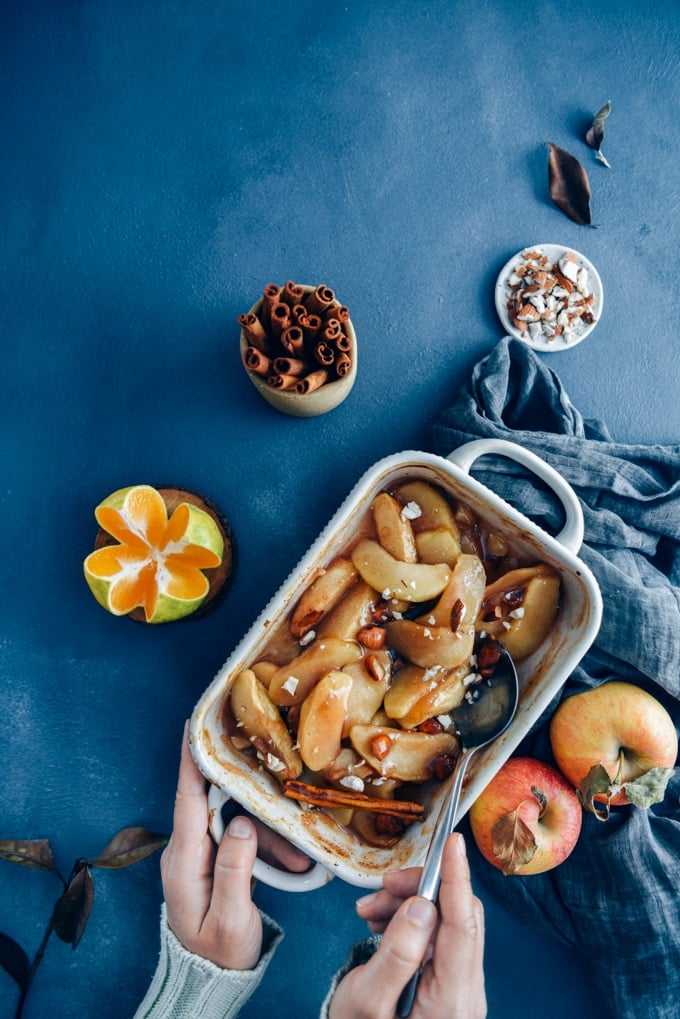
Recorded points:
452,981
207,888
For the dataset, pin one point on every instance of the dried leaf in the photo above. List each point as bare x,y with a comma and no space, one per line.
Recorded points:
36,853
595,133
648,788
597,783
129,846
569,185
14,960
513,842
72,909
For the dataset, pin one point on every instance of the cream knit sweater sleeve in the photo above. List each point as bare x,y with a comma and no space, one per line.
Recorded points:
185,986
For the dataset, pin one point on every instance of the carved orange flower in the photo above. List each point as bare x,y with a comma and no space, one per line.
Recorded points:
157,563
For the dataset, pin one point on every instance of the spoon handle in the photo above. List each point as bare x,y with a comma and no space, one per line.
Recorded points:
430,878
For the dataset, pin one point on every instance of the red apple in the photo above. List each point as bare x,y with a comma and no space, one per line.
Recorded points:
528,819
616,744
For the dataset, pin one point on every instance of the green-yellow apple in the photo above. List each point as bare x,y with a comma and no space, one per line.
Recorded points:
528,819
615,743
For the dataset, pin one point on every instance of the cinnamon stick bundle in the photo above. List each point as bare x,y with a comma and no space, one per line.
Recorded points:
297,339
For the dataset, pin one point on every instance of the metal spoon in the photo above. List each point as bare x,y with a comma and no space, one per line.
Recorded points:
478,723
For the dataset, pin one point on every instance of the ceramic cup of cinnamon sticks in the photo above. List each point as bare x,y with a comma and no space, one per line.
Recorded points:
299,348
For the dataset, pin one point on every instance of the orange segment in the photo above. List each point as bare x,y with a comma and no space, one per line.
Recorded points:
111,560
146,514
132,590
185,582
177,525
193,555
111,521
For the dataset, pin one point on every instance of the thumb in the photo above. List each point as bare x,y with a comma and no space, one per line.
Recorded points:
234,865
232,922
405,940
374,989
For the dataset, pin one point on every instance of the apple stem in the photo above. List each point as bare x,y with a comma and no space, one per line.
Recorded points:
542,799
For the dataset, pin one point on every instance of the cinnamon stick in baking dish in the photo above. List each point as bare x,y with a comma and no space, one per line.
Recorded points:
322,796
311,382
319,300
256,361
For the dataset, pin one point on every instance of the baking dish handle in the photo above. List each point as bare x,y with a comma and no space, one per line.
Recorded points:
284,880
571,535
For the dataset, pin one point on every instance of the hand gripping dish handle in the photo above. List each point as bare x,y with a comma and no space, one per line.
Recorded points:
571,535
285,880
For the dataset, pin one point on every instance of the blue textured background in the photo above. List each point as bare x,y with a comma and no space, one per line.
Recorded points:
162,162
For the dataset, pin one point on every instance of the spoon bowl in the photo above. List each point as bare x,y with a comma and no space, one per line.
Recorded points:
479,721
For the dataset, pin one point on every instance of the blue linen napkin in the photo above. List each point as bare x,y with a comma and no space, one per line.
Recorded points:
617,897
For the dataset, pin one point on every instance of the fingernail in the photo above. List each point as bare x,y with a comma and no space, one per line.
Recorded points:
460,845
421,912
239,828
365,900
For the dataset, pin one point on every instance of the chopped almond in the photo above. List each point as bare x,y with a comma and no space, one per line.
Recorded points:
547,300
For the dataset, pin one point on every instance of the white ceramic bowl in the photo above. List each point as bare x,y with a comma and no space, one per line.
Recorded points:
553,253
321,400
336,850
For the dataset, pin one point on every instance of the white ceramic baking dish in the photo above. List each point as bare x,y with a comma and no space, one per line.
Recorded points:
337,851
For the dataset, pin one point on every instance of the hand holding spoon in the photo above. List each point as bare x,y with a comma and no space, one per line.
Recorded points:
478,723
